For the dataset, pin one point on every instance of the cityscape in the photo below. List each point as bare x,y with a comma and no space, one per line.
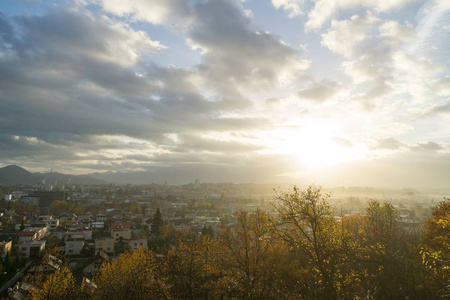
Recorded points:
225,149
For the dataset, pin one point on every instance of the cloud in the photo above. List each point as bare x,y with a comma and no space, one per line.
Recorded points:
75,75
292,7
319,92
342,142
324,10
432,31
345,35
94,86
388,144
441,86
418,67
81,34
235,54
427,146
152,11
441,109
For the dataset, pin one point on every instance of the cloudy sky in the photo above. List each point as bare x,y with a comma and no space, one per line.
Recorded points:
335,92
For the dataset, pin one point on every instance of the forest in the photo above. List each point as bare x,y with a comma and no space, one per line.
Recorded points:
300,252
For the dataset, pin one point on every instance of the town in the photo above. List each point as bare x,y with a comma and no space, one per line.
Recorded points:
92,224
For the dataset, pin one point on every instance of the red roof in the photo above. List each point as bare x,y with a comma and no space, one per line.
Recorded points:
120,226
26,233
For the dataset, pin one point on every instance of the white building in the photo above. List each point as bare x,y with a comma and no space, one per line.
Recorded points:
32,249
74,242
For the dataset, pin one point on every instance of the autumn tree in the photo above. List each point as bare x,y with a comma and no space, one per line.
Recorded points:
435,248
252,258
58,285
194,267
306,223
134,275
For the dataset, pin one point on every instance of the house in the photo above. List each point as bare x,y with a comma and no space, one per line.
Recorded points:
88,286
98,225
106,244
70,223
21,290
135,244
86,218
25,236
120,230
74,242
101,217
5,248
181,223
41,232
64,217
32,249
93,265
51,224
118,217
45,217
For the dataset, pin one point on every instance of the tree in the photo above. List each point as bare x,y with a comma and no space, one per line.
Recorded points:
58,285
134,275
157,223
382,225
251,258
306,224
194,267
435,248
207,231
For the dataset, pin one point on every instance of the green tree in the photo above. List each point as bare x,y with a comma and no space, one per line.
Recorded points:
157,223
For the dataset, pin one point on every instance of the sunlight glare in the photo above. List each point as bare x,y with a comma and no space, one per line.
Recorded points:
314,146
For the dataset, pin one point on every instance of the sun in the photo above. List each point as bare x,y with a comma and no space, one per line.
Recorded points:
315,146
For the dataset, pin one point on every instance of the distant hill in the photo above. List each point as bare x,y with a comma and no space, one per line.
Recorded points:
16,175
53,178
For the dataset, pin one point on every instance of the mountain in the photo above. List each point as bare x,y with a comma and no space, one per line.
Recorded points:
59,178
16,175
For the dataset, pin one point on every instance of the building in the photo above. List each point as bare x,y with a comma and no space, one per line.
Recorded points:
25,236
98,225
101,217
32,249
106,244
64,217
86,218
74,242
70,223
51,224
135,244
120,230
46,198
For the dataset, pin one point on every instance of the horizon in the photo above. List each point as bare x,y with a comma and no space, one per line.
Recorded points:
276,185
348,93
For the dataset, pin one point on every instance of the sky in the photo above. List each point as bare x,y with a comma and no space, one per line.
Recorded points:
331,92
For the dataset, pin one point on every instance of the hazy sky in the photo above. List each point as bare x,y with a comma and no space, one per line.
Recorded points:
336,92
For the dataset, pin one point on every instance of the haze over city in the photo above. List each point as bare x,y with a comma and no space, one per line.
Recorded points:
331,92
